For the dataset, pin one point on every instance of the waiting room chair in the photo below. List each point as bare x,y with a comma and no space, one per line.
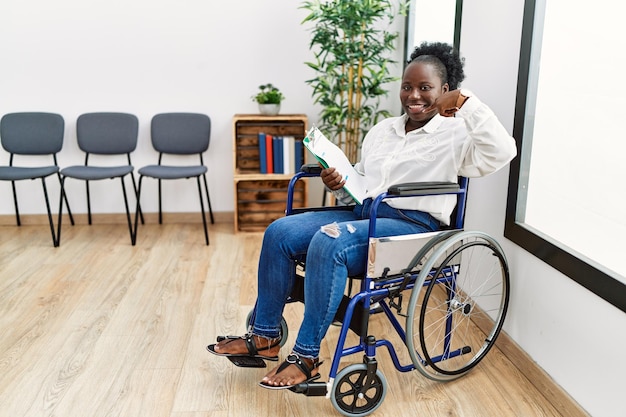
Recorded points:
32,133
112,134
179,134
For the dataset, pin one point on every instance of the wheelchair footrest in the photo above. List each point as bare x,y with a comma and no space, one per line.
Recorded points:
311,389
247,361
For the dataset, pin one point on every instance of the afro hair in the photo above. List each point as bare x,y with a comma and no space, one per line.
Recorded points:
445,58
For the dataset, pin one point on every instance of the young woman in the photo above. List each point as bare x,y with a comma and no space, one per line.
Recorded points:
424,144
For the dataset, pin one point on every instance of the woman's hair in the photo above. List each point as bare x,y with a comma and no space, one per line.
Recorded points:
444,58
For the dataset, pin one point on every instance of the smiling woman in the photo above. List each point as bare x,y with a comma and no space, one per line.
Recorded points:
434,70
566,194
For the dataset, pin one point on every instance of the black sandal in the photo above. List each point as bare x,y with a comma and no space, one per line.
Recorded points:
294,359
253,351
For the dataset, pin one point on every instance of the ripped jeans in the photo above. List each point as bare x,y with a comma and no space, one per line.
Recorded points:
329,261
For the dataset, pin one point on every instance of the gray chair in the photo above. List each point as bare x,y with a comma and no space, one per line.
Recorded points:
113,134
32,133
179,134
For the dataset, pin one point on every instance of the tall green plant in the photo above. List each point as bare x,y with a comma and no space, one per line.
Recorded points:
352,52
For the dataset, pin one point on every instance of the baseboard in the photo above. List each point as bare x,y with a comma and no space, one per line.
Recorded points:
544,383
115,218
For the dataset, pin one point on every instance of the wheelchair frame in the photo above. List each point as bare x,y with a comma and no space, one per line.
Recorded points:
359,389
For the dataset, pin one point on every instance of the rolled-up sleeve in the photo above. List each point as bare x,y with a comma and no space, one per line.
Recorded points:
488,146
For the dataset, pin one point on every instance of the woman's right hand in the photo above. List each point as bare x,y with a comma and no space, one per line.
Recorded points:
332,179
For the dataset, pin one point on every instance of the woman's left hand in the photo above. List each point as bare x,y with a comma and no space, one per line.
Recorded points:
448,103
332,179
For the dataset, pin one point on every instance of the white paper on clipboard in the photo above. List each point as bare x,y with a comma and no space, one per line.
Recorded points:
330,155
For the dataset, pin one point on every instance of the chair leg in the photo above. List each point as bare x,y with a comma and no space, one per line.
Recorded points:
134,239
88,203
17,210
160,211
206,232
132,176
208,198
59,221
130,224
67,204
45,194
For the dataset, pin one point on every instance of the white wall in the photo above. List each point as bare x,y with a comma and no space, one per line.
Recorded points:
571,333
146,57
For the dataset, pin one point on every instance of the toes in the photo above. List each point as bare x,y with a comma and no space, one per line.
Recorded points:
284,378
271,373
273,379
219,346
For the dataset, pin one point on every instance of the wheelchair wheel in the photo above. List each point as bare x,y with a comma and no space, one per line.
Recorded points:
353,395
284,330
457,312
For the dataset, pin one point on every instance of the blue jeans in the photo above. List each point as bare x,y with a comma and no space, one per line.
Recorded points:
329,261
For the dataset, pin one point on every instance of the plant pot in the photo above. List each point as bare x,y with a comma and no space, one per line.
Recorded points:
269,109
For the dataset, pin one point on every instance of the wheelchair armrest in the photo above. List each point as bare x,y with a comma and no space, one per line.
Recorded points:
417,189
423,188
306,171
311,168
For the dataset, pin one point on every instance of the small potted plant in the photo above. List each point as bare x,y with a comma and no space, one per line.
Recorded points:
269,98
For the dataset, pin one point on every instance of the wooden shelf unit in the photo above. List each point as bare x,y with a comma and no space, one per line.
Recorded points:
261,198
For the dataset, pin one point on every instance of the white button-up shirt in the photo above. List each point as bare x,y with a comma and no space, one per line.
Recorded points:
472,144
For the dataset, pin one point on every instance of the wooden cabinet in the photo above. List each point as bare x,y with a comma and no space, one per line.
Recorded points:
261,198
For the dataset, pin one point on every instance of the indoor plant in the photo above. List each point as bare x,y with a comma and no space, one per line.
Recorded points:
269,98
351,49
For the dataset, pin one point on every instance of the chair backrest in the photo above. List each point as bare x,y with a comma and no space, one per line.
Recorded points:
107,133
32,133
181,133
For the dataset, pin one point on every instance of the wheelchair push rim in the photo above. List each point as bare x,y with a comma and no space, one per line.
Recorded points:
457,310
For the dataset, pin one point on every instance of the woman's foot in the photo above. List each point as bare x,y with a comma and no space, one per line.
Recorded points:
293,371
248,345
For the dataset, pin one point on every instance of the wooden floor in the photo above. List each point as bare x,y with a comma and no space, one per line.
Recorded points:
97,327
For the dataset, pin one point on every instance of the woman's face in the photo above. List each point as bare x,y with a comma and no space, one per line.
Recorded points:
421,86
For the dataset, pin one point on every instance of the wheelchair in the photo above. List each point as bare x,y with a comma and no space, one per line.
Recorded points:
457,285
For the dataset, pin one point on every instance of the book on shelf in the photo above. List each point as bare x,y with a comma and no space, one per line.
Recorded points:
298,151
262,153
269,154
330,155
277,150
288,155
279,154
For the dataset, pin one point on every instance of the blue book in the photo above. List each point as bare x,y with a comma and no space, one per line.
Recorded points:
262,154
298,155
278,155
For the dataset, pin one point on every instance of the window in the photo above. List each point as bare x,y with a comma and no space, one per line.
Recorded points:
567,198
433,21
